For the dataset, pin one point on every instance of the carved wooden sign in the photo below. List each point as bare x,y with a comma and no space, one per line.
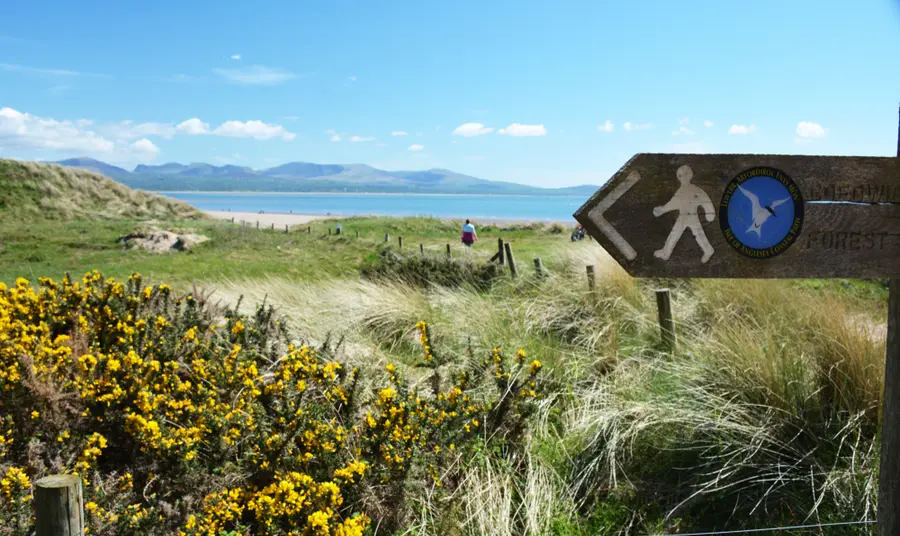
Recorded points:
750,216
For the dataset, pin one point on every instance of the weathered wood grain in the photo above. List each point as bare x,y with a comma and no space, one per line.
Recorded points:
58,506
856,233
666,320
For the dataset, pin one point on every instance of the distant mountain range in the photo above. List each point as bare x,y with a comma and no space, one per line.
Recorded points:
307,177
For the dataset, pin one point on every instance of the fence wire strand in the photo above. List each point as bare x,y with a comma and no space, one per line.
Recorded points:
772,529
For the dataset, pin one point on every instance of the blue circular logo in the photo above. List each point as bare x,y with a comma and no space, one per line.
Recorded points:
761,213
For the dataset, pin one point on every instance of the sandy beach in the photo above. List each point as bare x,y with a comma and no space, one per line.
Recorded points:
280,219
265,218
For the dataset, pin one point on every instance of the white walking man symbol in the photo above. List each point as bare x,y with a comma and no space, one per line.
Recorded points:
688,200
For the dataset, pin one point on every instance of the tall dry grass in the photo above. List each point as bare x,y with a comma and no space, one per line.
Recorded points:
59,192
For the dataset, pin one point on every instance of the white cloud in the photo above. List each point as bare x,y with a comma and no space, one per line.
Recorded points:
807,129
259,75
742,129
356,139
235,56
84,123
708,123
399,133
48,72
683,130
684,121
253,129
631,127
472,129
606,127
335,137
416,147
128,130
351,78
517,129
144,145
24,131
192,127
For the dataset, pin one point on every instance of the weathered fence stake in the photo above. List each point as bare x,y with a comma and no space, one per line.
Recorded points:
666,322
889,474
501,256
448,251
257,224
421,249
329,231
285,228
538,268
400,242
590,276
232,219
387,237
309,229
357,234
273,225
59,506
510,259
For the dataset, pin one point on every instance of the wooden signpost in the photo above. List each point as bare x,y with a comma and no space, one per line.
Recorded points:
765,216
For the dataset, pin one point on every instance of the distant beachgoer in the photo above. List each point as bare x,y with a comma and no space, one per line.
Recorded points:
469,236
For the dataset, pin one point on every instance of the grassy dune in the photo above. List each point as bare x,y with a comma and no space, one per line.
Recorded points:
768,414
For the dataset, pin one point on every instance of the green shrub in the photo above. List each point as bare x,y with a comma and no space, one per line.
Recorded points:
430,270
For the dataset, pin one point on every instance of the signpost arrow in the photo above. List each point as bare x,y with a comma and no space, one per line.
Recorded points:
750,216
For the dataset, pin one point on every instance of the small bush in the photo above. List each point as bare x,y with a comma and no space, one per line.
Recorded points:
184,420
557,228
430,270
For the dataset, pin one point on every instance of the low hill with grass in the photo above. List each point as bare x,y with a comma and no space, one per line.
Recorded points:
29,190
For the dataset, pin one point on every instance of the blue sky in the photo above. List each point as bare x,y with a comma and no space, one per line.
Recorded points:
547,93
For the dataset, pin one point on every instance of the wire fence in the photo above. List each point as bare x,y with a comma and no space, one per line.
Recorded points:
774,529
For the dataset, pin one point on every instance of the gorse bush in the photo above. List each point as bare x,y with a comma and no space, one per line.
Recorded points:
428,270
182,419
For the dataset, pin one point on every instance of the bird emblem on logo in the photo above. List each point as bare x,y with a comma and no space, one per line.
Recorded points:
760,213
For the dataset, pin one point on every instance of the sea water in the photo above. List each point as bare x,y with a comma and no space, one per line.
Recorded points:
505,207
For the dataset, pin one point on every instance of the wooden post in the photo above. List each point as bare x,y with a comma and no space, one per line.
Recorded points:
400,242
387,237
59,506
510,259
357,234
285,228
666,322
538,268
889,472
257,224
329,231
421,249
591,277
273,225
448,251
501,257
232,219
309,229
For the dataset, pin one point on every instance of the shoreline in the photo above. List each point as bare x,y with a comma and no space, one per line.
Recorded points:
289,218
267,193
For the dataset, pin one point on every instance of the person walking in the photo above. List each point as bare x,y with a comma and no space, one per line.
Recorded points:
469,236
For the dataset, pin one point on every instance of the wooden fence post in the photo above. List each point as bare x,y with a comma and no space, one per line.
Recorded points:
590,276
421,249
538,268
510,259
399,242
387,237
59,506
888,514
309,229
448,251
232,219
257,224
273,225
501,255
357,234
285,228
666,321
329,231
